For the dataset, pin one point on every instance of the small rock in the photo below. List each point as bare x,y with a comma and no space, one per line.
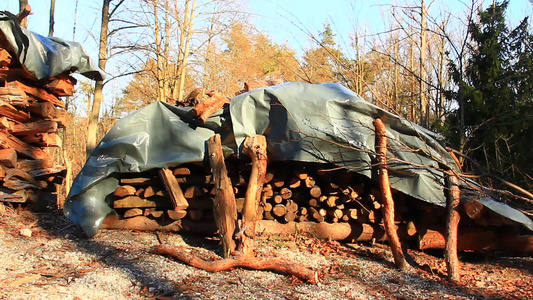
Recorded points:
25,232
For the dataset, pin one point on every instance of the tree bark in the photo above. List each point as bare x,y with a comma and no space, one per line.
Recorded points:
24,12
388,203
225,207
452,224
186,49
255,147
52,22
92,126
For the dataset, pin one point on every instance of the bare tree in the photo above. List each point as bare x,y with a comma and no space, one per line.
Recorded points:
52,13
99,85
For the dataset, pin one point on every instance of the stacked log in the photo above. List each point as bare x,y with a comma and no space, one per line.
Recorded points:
31,113
311,193
322,199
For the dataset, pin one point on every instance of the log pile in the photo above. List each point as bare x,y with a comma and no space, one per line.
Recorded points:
31,113
320,199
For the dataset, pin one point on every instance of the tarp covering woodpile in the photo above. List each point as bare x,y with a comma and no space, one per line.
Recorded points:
46,57
323,123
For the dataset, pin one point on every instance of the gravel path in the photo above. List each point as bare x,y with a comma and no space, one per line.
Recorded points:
58,262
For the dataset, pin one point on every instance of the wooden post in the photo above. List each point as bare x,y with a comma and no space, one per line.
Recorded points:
255,147
388,204
225,208
452,223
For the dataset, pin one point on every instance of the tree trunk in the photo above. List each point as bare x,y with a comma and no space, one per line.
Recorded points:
225,206
92,127
423,76
52,22
388,204
255,147
452,223
186,49
23,5
158,54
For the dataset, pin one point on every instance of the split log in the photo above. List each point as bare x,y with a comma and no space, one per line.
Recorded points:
181,171
173,189
34,164
388,204
255,148
8,157
5,58
224,204
43,140
34,128
5,125
10,141
206,108
151,191
40,94
49,112
61,86
137,181
21,196
12,113
133,212
136,201
54,170
452,224
124,190
13,96
250,262
177,214
193,191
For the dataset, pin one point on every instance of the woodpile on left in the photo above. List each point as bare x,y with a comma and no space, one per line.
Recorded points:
31,114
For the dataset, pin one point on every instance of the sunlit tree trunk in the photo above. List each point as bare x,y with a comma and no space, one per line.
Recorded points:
188,24
52,22
92,126
423,102
158,54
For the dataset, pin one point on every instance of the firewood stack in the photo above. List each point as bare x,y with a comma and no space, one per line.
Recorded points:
294,192
31,113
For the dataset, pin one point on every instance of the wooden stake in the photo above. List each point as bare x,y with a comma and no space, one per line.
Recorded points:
255,147
452,224
225,208
388,203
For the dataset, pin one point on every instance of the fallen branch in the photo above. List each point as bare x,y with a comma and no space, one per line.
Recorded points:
250,262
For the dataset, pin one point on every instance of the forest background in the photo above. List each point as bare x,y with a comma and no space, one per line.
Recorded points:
460,68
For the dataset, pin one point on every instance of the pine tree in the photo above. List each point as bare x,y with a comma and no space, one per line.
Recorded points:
496,90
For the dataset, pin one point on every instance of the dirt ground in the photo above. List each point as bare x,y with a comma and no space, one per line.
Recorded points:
58,262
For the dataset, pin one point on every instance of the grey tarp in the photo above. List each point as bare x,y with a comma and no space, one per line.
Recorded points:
303,122
46,57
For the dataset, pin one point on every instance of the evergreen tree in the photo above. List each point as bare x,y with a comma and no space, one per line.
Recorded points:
495,95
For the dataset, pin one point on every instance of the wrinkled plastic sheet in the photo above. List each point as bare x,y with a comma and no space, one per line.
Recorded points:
46,57
324,123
